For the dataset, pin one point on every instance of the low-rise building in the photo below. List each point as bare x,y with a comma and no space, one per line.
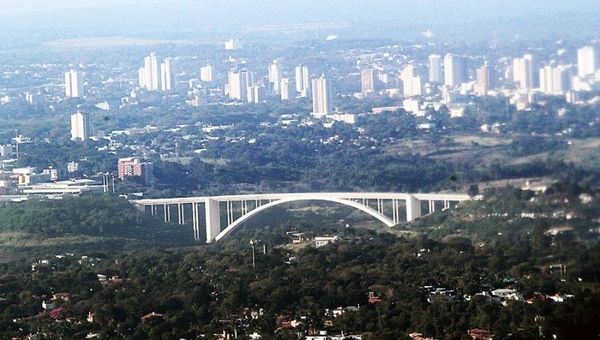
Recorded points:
321,241
134,167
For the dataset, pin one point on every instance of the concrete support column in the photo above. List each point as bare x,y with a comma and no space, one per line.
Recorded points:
431,206
180,213
213,219
166,212
195,221
413,208
446,205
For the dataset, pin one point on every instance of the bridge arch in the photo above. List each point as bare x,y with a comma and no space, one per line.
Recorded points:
233,226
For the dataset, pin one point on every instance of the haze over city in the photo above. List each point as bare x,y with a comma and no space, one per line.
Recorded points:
449,19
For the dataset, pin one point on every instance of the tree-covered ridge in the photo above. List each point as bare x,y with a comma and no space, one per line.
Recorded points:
96,216
206,292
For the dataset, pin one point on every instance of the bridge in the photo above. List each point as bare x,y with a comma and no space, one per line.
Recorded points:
389,208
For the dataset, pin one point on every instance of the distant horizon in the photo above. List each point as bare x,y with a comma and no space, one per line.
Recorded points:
36,21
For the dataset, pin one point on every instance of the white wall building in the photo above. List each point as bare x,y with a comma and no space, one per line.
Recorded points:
73,84
453,70
435,68
166,75
587,61
80,126
302,81
284,89
321,97
275,76
207,73
411,82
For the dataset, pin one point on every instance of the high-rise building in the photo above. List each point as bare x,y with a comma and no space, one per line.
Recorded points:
554,80
302,81
411,82
134,167
284,89
254,94
80,126
454,70
523,71
73,84
321,99
166,75
149,75
484,80
367,81
207,73
238,82
435,68
275,76
587,61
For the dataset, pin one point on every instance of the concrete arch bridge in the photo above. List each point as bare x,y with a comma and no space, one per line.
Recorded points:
224,214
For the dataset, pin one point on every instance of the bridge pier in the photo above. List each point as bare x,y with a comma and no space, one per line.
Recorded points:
180,214
213,219
195,221
413,208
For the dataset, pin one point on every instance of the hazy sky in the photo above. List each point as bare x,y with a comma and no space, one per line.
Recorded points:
134,16
345,8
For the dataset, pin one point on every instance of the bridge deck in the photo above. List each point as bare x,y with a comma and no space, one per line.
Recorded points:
308,196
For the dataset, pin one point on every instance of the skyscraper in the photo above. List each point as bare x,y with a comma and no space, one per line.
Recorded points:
587,61
302,81
523,71
207,73
321,100
284,89
254,94
149,75
166,75
484,80
80,126
411,82
454,71
275,76
238,82
367,81
554,80
73,84
435,68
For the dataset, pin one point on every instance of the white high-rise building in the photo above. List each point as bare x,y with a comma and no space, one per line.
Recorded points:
367,81
302,81
484,80
73,84
523,72
411,82
554,80
284,89
275,76
80,126
142,77
238,82
321,99
207,73
166,75
150,74
435,68
454,70
587,61
254,94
